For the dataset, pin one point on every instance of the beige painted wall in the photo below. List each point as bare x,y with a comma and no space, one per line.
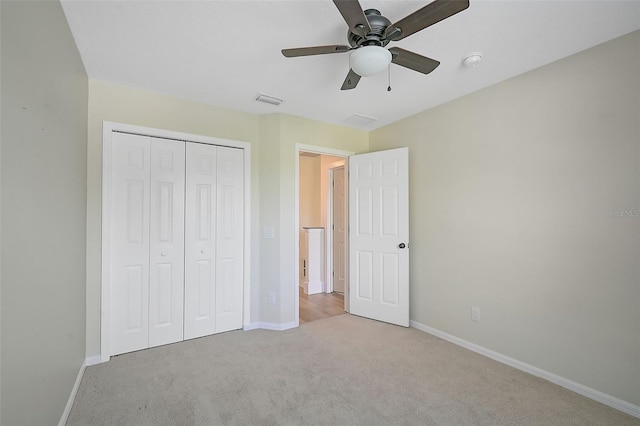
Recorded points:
44,130
512,194
125,105
273,138
326,161
279,212
310,195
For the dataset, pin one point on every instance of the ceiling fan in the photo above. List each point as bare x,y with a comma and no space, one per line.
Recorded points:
369,33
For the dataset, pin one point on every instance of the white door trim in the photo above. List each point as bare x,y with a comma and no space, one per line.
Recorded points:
330,221
108,128
300,147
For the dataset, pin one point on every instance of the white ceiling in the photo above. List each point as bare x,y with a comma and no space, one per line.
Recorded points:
226,52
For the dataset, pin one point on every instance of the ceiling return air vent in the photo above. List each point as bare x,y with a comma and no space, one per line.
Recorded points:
360,120
268,99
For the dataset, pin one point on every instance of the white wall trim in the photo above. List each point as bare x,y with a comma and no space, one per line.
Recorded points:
330,221
107,130
300,147
611,401
72,397
92,360
271,326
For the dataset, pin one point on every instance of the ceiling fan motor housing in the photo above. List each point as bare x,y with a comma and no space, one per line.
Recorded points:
378,24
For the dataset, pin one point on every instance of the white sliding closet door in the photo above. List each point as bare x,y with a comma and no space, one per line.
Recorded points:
166,275
130,185
213,240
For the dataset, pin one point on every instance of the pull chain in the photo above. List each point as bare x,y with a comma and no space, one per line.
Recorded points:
389,74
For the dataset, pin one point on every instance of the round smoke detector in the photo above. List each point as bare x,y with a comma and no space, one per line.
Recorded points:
472,59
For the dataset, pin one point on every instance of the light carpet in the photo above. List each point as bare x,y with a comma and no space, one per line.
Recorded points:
343,370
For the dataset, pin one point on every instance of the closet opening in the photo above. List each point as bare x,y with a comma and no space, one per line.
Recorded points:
175,237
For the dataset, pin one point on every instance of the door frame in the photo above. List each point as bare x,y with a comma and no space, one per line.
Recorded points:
296,223
330,220
108,128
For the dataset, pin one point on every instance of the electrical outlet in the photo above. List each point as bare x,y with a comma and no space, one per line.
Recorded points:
272,298
475,314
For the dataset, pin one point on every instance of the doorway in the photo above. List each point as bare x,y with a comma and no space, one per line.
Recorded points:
321,231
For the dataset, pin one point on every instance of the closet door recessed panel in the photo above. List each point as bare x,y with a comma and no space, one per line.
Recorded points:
166,282
229,241
130,186
200,241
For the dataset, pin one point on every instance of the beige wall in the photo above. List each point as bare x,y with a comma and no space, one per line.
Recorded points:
326,161
44,141
108,102
279,155
310,196
512,191
273,138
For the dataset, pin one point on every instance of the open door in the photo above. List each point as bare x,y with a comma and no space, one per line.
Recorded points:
379,236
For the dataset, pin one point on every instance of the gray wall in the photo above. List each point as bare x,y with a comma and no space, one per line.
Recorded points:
44,140
524,203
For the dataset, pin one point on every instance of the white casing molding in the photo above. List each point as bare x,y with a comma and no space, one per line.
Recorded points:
611,401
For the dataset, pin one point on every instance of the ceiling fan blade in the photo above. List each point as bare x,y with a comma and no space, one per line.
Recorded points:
413,61
351,81
354,16
316,50
432,13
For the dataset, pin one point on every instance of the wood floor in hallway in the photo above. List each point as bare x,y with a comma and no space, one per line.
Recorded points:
318,306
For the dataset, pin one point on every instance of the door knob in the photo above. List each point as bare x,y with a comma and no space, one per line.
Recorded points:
401,245
202,251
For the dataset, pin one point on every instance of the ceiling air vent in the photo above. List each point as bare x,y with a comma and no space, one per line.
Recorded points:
268,99
360,120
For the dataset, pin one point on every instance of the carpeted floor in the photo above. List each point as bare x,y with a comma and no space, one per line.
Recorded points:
343,370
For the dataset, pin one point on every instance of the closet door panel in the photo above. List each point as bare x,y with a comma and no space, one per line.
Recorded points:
200,241
130,185
230,239
166,283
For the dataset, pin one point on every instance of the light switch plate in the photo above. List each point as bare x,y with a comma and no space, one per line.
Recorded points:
268,234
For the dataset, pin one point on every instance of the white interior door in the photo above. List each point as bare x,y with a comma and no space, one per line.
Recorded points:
200,241
379,235
166,234
229,239
131,178
339,229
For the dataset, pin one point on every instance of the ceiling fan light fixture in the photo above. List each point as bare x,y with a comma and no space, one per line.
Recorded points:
369,60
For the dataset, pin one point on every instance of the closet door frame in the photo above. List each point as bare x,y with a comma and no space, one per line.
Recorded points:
108,128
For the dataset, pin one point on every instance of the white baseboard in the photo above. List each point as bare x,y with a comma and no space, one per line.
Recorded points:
270,326
93,360
611,401
252,326
72,397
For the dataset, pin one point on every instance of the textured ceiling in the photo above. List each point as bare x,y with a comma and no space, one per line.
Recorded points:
226,52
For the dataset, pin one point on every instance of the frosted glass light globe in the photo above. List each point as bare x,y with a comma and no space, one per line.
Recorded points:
369,60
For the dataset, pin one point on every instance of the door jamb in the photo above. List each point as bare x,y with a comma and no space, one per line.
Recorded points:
107,130
330,221
296,223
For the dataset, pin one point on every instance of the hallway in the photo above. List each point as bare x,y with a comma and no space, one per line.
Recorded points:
318,306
